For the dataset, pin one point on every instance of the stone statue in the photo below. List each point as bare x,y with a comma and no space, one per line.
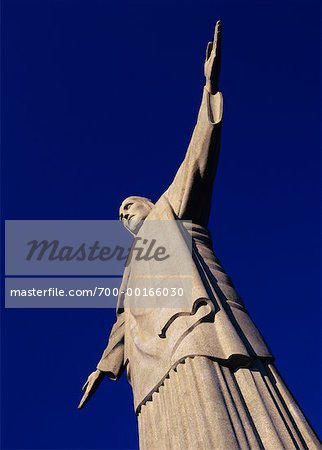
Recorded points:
202,375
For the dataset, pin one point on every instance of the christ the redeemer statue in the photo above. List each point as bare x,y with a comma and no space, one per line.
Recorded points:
202,376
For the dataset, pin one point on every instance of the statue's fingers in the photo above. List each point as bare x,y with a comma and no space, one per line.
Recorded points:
209,50
217,35
84,386
83,399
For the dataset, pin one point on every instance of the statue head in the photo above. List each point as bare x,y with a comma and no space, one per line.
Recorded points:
133,211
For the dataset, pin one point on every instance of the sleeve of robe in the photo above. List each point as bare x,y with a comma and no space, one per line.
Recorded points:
191,190
112,361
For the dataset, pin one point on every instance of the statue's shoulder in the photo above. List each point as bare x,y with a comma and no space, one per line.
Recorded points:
162,210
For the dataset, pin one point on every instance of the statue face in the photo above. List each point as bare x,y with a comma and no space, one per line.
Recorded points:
133,211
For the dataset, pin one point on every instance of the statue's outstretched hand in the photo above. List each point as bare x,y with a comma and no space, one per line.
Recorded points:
212,62
92,383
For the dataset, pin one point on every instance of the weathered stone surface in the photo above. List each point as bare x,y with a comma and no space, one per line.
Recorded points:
201,373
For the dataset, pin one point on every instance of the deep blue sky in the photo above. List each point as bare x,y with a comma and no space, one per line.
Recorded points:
99,102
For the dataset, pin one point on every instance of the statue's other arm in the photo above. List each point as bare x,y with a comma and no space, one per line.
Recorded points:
190,192
111,363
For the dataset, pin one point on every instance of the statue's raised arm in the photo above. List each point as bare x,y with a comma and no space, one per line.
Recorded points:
190,192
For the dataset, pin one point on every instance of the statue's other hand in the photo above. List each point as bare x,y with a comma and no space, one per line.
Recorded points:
212,62
92,383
